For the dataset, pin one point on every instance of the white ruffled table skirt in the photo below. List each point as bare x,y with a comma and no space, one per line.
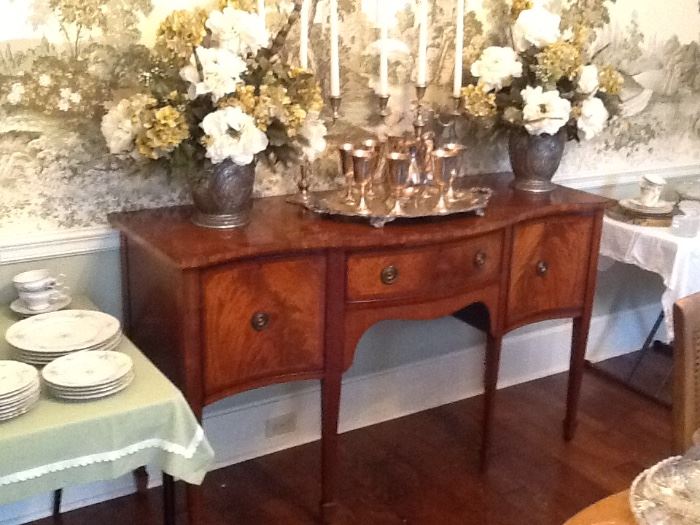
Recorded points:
675,259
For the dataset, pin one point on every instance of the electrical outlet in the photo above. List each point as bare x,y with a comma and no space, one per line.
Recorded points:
278,425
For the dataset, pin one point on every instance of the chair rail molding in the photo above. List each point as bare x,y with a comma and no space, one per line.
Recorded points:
593,180
18,247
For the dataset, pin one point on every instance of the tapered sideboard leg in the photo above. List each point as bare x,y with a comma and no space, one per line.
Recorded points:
195,505
579,340
330,407
492,362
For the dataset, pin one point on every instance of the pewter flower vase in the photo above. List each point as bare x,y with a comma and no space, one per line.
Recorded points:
222,194
535,159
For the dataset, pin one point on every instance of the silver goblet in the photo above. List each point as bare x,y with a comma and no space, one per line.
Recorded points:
374,146
398,164
363,168
345,151
443,165
456,171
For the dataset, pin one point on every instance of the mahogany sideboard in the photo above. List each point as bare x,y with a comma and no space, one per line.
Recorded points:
289,296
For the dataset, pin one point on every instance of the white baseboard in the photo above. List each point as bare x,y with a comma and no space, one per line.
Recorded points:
238,434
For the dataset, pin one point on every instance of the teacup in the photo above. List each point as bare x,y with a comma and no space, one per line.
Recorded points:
686,225
651,187
36,280
42,299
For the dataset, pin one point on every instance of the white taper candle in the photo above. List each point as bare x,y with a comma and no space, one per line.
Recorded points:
261,12
383,49
459,49
304,37
422,75
335,49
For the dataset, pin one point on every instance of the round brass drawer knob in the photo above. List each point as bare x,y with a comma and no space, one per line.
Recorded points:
260,321
480,259
542,268
390,274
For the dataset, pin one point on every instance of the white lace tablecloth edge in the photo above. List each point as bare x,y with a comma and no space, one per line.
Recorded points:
112,455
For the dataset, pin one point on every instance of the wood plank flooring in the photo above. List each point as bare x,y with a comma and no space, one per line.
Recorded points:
423,469
650,372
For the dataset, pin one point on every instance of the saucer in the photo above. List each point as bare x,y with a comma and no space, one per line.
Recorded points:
661,208
18,306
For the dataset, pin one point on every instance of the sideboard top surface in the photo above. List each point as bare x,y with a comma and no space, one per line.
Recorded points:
279,227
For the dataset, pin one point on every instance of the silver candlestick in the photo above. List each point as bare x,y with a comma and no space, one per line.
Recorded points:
456,104
383,106
303,196
419,122
335,107
303,184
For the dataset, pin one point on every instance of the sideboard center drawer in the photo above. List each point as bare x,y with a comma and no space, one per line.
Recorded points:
439,270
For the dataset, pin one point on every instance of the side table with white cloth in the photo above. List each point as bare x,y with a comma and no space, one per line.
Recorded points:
148,423
676,259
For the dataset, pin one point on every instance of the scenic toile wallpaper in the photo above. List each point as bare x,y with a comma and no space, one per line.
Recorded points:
63,63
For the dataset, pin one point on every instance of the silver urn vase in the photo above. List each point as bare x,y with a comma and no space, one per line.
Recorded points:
535,159
222,194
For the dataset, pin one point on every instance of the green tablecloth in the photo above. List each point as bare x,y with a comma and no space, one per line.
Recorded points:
59,444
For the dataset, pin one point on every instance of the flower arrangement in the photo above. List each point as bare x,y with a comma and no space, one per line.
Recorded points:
546,79
217,91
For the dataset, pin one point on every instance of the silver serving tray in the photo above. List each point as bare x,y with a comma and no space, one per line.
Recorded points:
468,200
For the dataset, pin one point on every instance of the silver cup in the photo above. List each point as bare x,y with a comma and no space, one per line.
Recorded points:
375,147
456,169
363,163
345,151
444,164
458,150
397,164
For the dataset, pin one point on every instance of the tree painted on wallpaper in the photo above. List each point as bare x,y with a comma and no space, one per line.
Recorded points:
64,62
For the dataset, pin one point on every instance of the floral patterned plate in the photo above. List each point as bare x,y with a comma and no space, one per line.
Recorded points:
63,331
83,370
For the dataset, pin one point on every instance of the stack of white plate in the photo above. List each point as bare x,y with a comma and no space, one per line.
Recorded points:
19,388
45,337
88,375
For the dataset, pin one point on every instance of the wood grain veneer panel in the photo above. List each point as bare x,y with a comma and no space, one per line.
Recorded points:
155,310
290,292
438,270
563,244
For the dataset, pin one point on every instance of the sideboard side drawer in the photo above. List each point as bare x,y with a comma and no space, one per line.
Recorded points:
444,269
549,266
262,320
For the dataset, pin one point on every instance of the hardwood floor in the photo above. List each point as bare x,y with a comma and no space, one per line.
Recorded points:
649,372
423,469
